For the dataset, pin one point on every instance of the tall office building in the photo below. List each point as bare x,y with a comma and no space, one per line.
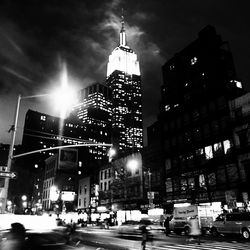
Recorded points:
94,111
196,128
123,77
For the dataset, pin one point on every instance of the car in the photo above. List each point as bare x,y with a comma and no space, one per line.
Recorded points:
232,223
179,225
129,227
132,227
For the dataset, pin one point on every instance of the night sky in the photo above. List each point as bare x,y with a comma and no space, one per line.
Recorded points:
36,36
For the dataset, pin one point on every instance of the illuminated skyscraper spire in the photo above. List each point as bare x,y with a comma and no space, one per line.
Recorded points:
123,58
122,32
124,78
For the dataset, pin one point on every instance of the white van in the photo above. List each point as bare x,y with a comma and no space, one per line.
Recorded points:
181,215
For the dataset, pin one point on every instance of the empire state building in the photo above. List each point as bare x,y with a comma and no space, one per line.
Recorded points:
124,78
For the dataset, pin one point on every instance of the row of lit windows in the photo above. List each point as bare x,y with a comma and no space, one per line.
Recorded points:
229,174
201,154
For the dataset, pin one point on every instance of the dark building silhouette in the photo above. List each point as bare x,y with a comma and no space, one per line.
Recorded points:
42,131
194,124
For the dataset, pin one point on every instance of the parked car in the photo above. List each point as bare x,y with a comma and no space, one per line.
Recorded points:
232,223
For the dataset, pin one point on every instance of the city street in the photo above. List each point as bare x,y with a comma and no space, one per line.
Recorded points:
107,239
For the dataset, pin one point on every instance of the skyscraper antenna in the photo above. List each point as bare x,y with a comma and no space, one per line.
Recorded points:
122,32
122,21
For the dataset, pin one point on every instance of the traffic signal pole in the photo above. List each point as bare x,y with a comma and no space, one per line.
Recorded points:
9,162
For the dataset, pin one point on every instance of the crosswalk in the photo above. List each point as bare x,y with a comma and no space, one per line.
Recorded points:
203,246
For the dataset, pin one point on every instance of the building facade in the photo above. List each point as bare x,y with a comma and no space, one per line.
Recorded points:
60,182
123,77
240,112
197,131
121,184
94,111
42,131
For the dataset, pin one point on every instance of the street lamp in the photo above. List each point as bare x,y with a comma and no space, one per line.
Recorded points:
65,92
24,201
131,166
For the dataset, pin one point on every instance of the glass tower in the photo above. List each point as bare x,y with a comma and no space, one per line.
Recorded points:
124,78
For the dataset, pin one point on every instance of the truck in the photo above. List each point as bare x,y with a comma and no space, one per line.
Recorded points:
181,215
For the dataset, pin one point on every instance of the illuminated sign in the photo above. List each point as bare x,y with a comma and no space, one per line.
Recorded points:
67,196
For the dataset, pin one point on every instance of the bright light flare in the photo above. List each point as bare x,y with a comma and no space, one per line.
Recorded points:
65,96
24,197
132,164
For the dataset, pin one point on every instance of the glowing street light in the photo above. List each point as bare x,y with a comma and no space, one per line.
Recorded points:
133,164
64,98
24,197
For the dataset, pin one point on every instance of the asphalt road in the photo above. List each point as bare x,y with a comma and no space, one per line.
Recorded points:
101,239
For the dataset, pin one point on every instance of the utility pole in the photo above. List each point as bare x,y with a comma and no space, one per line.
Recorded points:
13,136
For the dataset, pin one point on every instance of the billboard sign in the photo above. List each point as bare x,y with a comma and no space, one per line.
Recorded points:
68,159
67,195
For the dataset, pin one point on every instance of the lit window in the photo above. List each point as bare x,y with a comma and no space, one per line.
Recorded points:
167,107
202,182
237,83
218,148
183,184
193,60
191,183
227,145
43,117
209,152
171,67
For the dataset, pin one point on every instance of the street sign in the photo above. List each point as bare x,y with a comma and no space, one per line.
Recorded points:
5,174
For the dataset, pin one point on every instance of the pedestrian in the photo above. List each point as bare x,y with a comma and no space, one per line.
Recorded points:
144,233
195,231
70,229
166,225
15,238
